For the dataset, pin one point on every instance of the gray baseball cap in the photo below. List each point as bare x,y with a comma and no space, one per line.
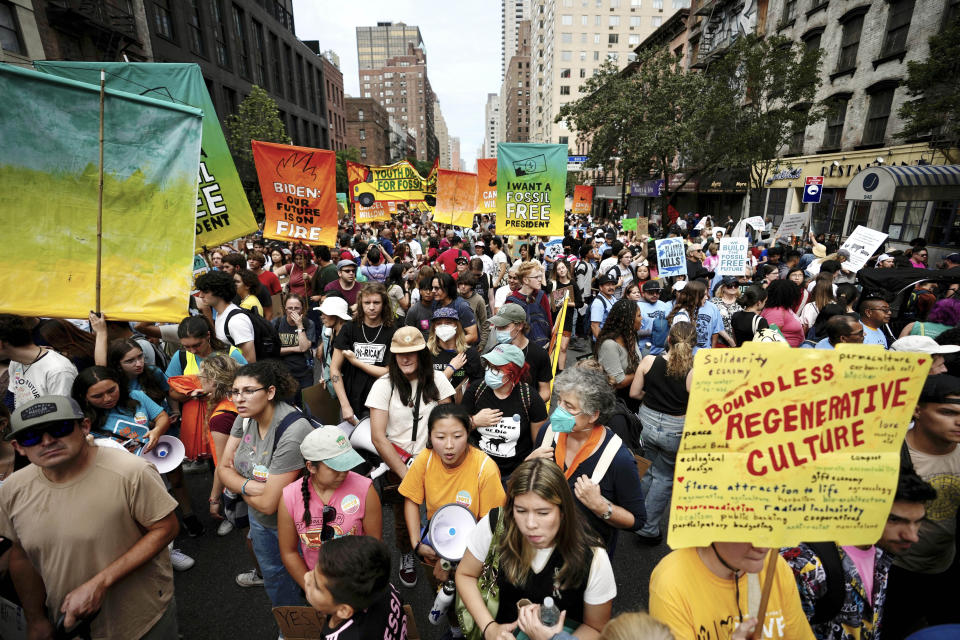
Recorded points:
43,410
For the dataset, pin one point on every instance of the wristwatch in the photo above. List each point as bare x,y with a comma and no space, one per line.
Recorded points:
609,513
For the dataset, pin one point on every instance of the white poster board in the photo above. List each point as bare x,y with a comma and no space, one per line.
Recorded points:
862,244
734,256
671,257
792,225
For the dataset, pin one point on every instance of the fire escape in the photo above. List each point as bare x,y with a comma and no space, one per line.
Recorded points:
110,27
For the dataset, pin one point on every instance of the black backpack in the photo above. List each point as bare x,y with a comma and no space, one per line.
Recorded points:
266,340
634,426
827,608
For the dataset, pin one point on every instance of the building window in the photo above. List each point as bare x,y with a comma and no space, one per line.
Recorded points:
878,113
259,56
10,30
830,212
613,38
564,73
240,30
898,25
797,137
197,44
363,134
565,90
162,20
566,56
566,38
905,220
220,32
563,139
836,114
944,225
614,4
656,21
583,73
636,3
658,4
363,152
789,10
566,20
614,21
850,43
636,21
811,40
360,114
597,20
277,66
583,20
680,4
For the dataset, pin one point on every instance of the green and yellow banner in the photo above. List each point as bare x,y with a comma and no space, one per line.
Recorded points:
49,134
222,211
398,182
531,188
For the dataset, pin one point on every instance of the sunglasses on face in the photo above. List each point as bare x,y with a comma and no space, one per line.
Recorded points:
34,435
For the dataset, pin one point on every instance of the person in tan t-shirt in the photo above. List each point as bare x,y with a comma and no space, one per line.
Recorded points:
112,558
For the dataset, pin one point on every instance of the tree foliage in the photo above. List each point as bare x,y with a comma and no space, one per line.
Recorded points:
257,118
351,154
932,83
657,120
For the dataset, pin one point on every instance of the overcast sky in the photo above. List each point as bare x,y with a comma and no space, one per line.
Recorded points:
463,50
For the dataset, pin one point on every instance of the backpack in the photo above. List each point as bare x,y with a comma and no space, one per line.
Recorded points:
540,327
525,396
827,608
291,417
266,340
634,426
772,334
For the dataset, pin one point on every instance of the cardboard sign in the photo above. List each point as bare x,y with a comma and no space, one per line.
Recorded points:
299,623
299,189
734,257
792,225
582,199
782,445
862,244
643,226
531,188
671,257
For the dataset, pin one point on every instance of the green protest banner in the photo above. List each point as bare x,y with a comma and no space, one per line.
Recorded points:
629,224
531,188
223,213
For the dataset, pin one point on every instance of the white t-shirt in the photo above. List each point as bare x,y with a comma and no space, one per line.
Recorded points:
400,416
487,263
809,313
605,265
51,375
241,327
601,585
500,297
415,249
498,258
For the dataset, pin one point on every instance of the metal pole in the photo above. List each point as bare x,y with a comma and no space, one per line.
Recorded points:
103,83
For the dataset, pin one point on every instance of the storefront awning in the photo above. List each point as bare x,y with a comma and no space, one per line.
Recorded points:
907,183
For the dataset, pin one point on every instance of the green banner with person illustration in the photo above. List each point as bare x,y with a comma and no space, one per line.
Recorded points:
50,200
531,188
223,212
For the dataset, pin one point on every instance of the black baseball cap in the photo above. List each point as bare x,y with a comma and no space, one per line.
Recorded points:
937,388
652,285
729,281
607,278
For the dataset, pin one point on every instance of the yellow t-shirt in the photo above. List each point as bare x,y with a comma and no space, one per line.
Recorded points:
696,603
475,484
252,303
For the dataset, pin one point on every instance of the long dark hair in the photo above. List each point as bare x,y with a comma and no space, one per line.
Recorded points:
147,379
425,379
199,327
619,324
270,373
91,376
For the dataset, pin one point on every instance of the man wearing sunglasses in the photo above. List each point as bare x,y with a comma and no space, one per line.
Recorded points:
99,543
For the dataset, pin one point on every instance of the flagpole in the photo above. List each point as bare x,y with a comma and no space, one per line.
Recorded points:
103,82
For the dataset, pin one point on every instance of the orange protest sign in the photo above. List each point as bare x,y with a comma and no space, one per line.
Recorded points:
299,192
582,199
486,185
456,198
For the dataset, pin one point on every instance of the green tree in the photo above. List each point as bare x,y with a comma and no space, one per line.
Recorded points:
351,154
934,110
256,118
766,87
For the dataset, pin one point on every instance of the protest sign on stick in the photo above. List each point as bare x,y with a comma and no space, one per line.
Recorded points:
531,188
862,244
782,446
733,257
671,257
582,199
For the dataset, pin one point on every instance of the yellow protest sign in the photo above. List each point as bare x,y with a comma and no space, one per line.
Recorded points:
782,445
377,212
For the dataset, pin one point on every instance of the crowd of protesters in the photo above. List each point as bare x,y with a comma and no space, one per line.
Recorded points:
436,342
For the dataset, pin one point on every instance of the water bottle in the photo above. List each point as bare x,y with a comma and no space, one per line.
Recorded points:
442,602
549,613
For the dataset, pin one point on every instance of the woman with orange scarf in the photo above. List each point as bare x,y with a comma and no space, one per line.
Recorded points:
598,466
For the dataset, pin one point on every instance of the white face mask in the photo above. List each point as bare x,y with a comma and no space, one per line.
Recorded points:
445,332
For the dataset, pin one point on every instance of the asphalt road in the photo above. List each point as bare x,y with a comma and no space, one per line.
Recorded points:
210,604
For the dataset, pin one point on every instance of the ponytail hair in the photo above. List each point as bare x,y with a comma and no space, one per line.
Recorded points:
681,340
305,490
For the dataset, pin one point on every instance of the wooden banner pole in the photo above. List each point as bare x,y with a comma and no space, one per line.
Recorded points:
765,597
103,83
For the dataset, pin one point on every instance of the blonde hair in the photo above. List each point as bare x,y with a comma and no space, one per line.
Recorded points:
460,340
633,625
221,370
680,343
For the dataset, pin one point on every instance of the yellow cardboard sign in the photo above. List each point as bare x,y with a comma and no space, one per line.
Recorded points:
782,445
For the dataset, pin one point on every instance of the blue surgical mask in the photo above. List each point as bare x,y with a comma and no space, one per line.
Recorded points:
562,421
503,337
493,379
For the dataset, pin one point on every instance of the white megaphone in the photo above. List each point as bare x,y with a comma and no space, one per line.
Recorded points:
449,529
167,455
361,438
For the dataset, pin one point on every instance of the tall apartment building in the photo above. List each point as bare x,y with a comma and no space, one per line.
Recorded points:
512,13
491,124
443,136
333,87
866,50
393,71
570,39
455,161
388,39
515,95
368,129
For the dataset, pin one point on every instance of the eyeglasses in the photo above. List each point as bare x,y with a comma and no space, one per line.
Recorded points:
326,530
34,435
880,309
243,393
348,270
856,334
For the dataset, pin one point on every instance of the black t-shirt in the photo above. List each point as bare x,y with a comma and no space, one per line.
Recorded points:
539,361
742,324
296,363
482,288
372,345
420,317
472,370
384,619
509,441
